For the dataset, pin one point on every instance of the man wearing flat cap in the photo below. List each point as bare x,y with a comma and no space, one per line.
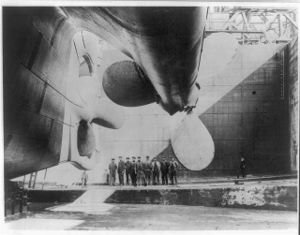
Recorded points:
121,170
155,171
133,171
147,170
127,170
164,167
112,171
140,172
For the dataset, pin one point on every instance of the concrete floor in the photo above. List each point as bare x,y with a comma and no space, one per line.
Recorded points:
158,217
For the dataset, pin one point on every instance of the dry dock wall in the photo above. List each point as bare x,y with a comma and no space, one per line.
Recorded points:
273,195
255,197
252,121
256,119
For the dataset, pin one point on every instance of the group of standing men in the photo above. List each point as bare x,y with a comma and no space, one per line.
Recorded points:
143,173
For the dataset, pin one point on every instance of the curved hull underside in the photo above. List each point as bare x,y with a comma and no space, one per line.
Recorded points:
42,119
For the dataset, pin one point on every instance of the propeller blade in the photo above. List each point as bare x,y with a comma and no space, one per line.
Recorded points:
108,114
125,84
85,139
192,143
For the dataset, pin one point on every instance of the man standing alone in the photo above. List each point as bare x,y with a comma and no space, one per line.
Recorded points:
121,170
84,178
112,171
242,168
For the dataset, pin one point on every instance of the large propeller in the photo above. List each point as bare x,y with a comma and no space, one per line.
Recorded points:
190,139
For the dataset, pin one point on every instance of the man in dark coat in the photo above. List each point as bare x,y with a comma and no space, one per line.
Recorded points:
140,172
173,171
84,178
121,170
112,171
133,171
242,168
127,170
147,170
155,171
164,167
